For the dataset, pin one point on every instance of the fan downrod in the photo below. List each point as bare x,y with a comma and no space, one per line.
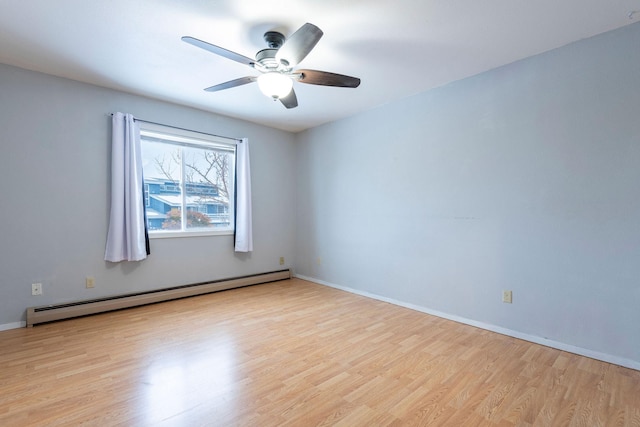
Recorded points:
274,39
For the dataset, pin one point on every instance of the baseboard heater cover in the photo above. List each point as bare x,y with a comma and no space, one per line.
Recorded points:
50,313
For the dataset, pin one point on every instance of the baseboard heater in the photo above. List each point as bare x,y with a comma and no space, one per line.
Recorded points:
50,313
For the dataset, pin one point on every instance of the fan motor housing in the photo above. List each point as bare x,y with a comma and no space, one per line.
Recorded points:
267,59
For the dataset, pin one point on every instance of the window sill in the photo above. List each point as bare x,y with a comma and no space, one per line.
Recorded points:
181,234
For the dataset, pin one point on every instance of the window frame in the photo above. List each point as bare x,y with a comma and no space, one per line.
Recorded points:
171,136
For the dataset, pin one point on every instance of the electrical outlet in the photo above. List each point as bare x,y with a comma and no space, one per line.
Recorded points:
319,261
281,260
90,282
36,289
507,296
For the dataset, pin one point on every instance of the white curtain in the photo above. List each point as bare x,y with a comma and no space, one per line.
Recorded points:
126,240
244,233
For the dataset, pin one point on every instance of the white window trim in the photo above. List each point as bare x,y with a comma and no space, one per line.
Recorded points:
186,138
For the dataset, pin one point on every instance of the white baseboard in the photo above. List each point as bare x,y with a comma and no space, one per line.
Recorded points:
14,325
621,361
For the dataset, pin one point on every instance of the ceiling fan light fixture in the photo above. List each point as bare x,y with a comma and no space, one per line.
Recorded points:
277,65
275,85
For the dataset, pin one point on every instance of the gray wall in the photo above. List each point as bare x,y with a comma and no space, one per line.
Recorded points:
526,178
54,172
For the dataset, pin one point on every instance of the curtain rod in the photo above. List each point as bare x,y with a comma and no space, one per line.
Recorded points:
188,130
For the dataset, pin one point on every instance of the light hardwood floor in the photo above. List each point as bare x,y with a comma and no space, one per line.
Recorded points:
294,353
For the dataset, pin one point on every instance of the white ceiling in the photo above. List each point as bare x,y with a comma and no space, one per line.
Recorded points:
398,48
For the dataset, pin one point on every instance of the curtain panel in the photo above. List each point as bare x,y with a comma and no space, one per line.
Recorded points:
244,229
127,238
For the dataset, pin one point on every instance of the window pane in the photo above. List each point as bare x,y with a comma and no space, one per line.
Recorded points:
162,177
188,182
206,174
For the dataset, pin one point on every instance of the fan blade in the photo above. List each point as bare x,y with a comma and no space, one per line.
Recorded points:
219,51
324,78
232,83
290,101
298,46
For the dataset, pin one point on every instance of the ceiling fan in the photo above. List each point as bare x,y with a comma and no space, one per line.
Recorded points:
276,65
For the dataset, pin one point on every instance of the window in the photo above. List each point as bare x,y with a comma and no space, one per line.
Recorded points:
189,181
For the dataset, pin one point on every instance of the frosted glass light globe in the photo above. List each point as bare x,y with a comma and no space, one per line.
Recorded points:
275,85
